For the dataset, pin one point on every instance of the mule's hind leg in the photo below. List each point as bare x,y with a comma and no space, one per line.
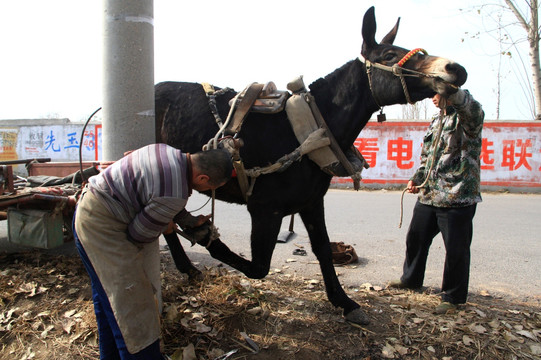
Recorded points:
221,251
313,218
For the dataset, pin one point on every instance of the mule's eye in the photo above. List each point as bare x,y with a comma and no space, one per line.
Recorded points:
389,56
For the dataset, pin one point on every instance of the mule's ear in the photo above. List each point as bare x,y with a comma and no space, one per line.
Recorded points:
369,30
389,38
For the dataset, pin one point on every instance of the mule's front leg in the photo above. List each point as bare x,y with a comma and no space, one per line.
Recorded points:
266,224
182,262
314,220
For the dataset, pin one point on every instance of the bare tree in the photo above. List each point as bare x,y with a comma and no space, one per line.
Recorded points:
417,111
527,16
499,68
531,26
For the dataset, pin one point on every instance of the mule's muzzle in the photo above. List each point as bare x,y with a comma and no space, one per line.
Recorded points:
461,75
455,78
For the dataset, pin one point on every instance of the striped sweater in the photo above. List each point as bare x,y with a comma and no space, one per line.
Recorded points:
145,189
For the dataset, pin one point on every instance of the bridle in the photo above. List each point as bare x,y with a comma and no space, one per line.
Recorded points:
398,70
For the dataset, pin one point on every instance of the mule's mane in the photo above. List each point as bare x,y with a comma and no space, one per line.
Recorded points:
332,79
345,100
343,84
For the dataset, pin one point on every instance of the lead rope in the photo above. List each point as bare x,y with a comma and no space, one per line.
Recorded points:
213,144
436,144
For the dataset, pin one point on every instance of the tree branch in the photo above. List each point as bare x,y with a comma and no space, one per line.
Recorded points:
518,15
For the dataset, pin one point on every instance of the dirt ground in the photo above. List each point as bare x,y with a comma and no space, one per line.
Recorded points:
46,312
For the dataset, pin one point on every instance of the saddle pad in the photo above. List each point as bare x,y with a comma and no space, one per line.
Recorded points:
303,124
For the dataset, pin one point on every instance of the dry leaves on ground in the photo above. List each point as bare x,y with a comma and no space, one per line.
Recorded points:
46,313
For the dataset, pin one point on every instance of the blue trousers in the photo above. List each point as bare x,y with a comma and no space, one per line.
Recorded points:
111,342
456,227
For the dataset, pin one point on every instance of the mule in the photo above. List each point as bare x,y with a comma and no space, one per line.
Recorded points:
346,98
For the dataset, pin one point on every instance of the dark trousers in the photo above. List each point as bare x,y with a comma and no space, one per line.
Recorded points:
112,345
456,227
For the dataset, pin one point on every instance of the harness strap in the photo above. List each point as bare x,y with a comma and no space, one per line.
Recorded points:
242,178
247,177
314,141
334,144
211,95
317,139
243,108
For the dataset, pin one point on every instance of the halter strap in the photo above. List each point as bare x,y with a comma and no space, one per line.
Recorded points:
396,69
399,66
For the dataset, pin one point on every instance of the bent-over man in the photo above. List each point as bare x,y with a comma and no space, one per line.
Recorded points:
118,220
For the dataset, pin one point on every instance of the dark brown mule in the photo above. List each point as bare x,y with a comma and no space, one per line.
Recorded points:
346,101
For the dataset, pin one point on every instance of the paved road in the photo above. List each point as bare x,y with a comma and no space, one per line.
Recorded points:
506,249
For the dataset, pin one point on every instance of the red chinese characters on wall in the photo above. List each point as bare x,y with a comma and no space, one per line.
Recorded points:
516,154
400,150
510,154
369,148
487,155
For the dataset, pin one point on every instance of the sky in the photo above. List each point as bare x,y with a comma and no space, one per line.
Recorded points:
51,58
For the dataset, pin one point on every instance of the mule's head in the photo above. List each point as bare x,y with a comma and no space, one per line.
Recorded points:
443,76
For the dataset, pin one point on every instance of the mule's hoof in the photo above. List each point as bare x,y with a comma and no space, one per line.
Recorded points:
358,316
195,275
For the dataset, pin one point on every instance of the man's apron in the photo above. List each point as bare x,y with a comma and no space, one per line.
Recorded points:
130,276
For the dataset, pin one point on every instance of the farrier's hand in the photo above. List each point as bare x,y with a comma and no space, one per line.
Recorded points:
170,228
411,188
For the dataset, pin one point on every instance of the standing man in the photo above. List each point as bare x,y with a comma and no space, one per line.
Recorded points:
117,224
448,180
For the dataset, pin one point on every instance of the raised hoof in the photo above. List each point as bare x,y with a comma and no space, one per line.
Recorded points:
357,316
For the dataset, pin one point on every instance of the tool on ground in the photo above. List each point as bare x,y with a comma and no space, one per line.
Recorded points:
285,236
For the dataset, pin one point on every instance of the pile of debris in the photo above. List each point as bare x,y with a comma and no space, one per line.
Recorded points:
39,209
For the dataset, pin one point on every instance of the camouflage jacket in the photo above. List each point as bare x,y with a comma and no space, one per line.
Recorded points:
454,180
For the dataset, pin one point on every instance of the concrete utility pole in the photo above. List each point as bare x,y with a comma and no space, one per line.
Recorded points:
128,76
